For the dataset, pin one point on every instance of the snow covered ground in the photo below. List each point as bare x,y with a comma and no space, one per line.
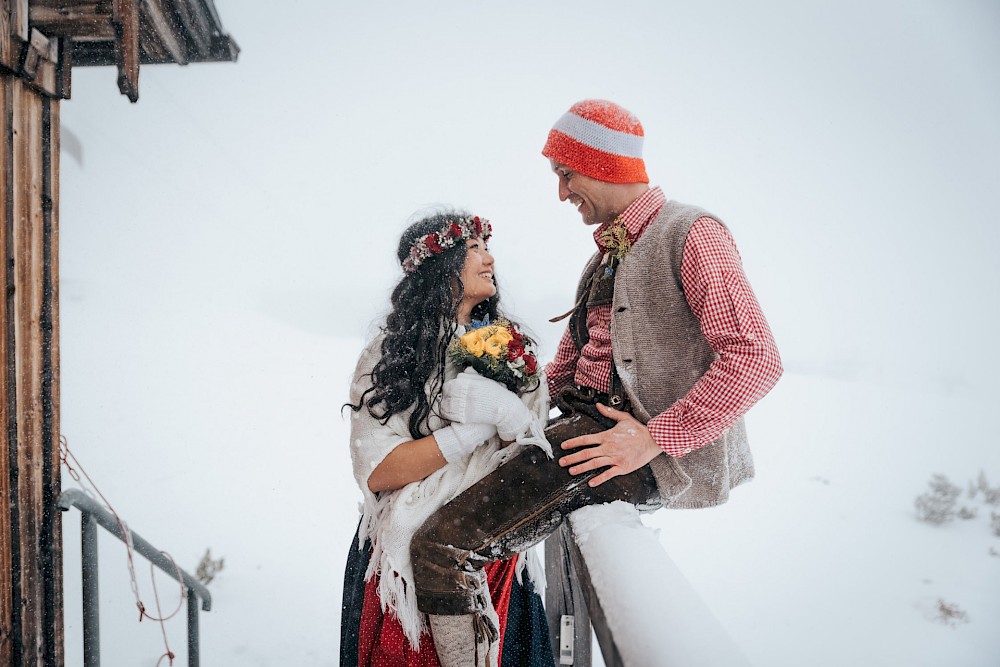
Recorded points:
227,243
229,439
818,561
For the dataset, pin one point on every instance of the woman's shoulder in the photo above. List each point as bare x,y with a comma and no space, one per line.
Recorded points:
367,360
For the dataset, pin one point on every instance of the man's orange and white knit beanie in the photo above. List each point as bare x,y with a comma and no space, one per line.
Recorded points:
599,139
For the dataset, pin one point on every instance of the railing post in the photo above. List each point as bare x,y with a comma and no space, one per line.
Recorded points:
91,600
192,605
564,600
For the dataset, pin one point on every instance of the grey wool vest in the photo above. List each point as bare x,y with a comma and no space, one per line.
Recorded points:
660,353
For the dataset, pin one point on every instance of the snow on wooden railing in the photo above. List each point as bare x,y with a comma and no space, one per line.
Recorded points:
643,610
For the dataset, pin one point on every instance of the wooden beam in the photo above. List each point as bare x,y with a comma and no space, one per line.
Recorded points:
39,63
64,74
50,544
31,541
197,24
125,18
19,19
31,619
28,244
81,19
154,16
10,48
565,597
10,588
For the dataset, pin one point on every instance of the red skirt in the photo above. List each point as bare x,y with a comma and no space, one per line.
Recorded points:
381,642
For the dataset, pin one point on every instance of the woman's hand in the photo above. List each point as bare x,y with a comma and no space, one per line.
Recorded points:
459,440
471,398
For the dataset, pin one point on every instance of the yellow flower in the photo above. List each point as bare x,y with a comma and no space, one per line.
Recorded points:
473,343
502,336
484,332
493,347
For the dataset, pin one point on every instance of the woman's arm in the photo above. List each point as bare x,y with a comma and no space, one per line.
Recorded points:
414,460
409,462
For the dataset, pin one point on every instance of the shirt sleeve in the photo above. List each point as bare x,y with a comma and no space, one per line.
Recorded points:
747,365
561,370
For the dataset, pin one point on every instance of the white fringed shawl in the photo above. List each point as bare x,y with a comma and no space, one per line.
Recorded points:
391,519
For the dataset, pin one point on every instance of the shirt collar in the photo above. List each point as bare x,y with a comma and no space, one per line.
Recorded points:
637,216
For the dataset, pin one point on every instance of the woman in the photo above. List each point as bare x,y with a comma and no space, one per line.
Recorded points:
409,461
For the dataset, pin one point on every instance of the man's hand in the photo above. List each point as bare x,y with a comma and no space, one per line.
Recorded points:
625,448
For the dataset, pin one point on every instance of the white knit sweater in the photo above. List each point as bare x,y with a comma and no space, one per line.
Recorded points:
390,519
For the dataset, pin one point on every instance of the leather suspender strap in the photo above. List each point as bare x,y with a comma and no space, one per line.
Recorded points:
600,289
616,390
616,395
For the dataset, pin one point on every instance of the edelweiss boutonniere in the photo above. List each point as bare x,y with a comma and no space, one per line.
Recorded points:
615,240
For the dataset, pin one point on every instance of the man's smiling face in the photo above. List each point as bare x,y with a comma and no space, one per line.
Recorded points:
594,199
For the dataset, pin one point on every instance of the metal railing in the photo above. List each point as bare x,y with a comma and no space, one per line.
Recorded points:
92,515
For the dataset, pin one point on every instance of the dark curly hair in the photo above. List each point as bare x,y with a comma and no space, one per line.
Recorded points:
419,329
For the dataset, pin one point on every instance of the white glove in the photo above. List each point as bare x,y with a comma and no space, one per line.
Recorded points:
471,398
458,440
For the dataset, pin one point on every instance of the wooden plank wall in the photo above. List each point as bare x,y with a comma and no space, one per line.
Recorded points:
31,624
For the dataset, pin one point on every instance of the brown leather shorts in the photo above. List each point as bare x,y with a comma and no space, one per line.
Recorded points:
513,508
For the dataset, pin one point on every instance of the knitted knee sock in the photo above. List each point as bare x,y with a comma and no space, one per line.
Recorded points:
455,638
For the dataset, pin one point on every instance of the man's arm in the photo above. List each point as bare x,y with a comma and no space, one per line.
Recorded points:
748,363
561,370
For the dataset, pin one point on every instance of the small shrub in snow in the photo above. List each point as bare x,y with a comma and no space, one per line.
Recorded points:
991,495
937,506
949,613
967,512
208,568
995,523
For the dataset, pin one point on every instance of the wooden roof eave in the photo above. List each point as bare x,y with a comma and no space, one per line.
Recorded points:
222,48
130,33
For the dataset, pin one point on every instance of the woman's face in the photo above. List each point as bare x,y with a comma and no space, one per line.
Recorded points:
477,273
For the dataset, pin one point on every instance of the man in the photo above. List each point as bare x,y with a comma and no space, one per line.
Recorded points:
665,350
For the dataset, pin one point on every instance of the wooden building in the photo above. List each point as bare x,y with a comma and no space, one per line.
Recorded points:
40,43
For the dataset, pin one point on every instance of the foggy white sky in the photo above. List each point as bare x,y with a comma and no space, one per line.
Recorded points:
850,147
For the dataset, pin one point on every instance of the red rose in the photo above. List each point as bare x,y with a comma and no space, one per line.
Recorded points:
514,349
432,244
518,336
479,226
455,231
530,365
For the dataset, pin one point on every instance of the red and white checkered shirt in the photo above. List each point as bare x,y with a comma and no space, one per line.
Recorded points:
747,364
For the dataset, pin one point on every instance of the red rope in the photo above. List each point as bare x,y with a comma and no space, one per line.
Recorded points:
65,455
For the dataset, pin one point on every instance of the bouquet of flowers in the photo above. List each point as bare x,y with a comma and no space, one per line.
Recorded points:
499,352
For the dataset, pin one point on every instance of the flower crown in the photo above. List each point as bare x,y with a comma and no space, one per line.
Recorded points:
435,243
